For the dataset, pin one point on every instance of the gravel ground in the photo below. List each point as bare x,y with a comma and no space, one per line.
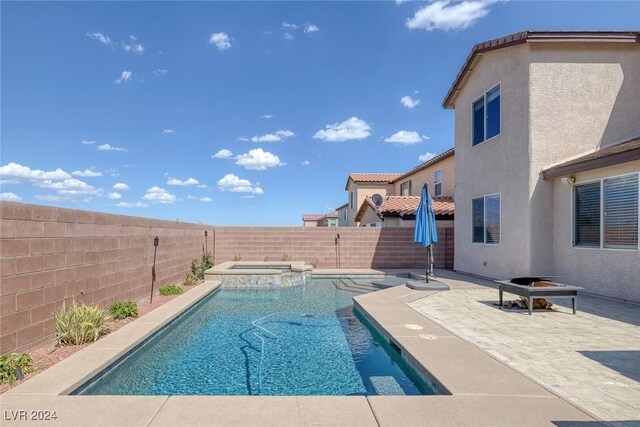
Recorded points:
44,357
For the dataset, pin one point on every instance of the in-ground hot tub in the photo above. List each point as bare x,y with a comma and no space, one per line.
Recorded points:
260,274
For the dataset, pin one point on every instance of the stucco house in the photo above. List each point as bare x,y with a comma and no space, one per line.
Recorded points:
547,159
310,220
400,193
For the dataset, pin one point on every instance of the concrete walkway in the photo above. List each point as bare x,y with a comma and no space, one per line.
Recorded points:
591,359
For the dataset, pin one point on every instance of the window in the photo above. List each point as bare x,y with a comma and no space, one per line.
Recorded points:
351,199
606,213
437,178
485,217
405,188
345,214
486,116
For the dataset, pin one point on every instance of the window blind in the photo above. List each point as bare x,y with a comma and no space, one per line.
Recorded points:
587,215
492,219
477,208
620,200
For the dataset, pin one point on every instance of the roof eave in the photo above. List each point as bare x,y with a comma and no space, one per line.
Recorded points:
590,164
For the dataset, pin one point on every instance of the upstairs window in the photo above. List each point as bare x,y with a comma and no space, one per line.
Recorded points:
485,217
437,186
405,188
351,199
486,116
606,213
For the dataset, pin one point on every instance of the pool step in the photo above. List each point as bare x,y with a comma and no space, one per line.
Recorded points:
351,285
386,386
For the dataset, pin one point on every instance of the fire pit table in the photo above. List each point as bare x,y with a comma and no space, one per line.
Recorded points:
550,289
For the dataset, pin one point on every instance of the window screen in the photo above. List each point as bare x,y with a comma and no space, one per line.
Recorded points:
620,200
478,121
493,112
492,219
477,214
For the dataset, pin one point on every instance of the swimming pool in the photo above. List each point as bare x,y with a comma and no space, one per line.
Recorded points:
303,340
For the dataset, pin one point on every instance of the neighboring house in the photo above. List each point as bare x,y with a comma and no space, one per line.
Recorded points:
361,185
400,211
438,172
311,220
534,110
328,220
343,215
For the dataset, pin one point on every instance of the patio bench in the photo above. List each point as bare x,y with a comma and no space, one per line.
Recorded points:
558,290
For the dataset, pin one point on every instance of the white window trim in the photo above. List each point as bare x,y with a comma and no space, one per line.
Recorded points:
436,182
573,207
484,97
484,201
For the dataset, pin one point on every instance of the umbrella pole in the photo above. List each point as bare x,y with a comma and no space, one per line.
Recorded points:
426,276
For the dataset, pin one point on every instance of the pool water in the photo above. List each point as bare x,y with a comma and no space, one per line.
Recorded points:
303,340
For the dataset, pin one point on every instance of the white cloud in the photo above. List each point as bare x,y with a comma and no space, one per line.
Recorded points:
186,183
160,71
120,186
222,41
258,160
114,196
132,205
87,142
288,36
11,197
87,173
267,116
201,186
223,154
9,181
48,197
126,76
159,195
305,163
288,25
243,138
235,184
192,197
448,15
401,1
67,185
15,170
273,137
101,38
168,131
206,199
310,28
426,156
353,128
404,137
134,48
409,102
108,147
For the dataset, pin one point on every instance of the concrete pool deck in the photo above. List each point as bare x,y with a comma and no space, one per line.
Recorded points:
483,390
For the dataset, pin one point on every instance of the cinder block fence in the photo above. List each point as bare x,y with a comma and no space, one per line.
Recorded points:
50,255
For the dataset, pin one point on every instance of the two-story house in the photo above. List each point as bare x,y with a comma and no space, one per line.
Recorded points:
548,158
400,194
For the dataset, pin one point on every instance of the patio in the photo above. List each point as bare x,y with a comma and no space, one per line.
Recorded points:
591,359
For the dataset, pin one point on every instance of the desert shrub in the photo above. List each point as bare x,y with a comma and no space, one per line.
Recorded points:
9,363
285,257
79,324
123,309
171,290
200,265
190,279
237,257
315,262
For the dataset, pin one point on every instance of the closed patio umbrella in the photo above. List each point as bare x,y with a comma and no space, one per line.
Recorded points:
425,233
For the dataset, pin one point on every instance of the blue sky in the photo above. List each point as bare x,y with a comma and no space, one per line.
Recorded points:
244,113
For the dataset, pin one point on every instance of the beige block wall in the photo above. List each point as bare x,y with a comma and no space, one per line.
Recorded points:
418,179
582,97
500,165
609,272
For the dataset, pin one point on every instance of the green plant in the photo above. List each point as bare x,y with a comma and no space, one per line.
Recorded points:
79,324
9,363
123,309
285,257
171,290
190,279
237,257
200,265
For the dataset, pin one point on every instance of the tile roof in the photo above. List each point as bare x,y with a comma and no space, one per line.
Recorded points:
383,178
530,36
442,156
333,214
623,152
406,206
312,217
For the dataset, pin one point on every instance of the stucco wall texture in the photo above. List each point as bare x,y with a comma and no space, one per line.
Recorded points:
558,101
50,255
418,179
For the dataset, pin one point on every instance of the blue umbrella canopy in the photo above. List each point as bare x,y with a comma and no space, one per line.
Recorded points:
425,233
